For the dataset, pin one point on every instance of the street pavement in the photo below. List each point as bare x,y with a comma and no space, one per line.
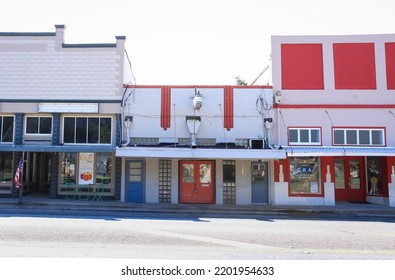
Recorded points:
342,210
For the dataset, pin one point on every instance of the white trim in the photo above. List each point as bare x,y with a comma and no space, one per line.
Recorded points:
198,153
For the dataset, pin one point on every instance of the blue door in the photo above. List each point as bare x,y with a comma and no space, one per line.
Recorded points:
135,175
259,182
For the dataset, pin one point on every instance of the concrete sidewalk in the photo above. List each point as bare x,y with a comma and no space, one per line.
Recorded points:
342,210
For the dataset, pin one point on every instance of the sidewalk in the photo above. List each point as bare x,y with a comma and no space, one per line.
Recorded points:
342,210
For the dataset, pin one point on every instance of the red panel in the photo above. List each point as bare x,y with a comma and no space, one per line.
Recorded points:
302,66
228,107
390,64
165,108
354,66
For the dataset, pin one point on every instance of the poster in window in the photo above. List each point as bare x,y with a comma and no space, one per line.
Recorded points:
305,175
86,165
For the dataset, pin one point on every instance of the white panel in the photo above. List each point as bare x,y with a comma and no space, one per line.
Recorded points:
68,107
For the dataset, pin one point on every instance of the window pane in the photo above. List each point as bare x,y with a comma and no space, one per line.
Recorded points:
32,125
80,130
338,136
104,168
377,137
293,136
68,176
364,137
374,175
229,174
315,136
304,136
351,136
105,130
45,125
69,130
188,173
8,129
93,130
305,175
6,175
205,173
339,174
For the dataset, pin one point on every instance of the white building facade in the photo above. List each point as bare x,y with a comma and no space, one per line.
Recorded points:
201,145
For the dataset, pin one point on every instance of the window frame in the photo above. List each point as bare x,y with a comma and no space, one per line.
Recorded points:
38,128
309,129
357,130
87,134
2,129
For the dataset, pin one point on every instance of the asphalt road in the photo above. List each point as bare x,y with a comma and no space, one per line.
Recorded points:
195,238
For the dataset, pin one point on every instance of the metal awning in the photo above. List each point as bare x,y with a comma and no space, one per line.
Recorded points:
198,153
295,151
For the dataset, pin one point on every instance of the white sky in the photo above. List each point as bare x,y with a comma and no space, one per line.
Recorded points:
197,42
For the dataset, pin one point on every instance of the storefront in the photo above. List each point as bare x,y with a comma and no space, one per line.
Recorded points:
197,176
326,175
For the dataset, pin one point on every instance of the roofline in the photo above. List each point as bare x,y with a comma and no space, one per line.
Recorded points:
197,86
27,34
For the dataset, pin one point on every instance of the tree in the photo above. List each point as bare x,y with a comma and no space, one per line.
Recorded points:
240,82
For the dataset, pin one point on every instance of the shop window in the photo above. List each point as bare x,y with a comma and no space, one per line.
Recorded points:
87,130
358,137
374,176
304,136
305,176
6,129
38,125
68,173
6,160
104,168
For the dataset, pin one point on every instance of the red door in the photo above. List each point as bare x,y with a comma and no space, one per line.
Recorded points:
197,181
350,179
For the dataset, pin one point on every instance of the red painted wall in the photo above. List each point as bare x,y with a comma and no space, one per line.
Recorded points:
354,65
390,64
302,66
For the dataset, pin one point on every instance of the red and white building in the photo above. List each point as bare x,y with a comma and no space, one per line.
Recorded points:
334,108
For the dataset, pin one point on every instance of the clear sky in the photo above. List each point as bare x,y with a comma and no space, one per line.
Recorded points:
197,42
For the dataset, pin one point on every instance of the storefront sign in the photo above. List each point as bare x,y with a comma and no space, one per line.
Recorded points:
86,165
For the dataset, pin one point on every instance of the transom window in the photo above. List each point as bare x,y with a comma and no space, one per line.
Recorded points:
304,136
38,125
6,129
359,136
87,130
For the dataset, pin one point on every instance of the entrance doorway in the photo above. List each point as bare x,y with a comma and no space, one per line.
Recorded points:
349,179
38,173
259,183
197,181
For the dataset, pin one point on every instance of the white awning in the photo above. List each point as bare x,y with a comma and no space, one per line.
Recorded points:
295,151
199,153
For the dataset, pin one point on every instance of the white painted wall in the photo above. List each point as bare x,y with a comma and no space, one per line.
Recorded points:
144,105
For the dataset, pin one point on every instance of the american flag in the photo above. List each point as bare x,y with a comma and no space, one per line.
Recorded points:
18,173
